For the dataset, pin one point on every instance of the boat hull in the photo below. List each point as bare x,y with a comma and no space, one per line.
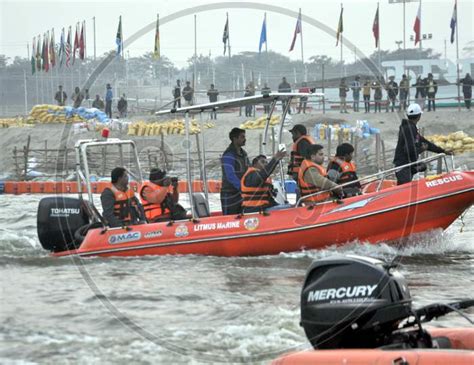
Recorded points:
389,215
461,342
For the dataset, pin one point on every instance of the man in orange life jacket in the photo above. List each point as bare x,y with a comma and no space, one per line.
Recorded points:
160,198
341,169
120,205
256,185
301,142
312,177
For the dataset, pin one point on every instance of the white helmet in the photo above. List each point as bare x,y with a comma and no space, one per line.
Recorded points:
414,109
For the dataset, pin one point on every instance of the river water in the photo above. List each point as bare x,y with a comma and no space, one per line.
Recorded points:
185,309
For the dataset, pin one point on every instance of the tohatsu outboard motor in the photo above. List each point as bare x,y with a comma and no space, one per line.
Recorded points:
58,220
352,302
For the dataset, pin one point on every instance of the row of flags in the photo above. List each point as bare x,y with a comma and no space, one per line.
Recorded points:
46,54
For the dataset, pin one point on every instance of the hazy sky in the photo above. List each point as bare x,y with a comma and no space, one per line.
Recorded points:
22,20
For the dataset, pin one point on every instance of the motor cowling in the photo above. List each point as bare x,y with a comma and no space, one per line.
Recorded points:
57,220
352,302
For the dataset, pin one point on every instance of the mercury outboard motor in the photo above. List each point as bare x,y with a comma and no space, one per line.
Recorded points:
352,302
58,220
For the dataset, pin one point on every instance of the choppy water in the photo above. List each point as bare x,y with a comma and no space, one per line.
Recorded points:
187,309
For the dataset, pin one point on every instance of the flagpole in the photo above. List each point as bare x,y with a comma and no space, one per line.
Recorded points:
266,45
49,59
421,49
228,34
195,54
378,40
301,40
26,91
93,25
84,33
457,58
404,40
342,59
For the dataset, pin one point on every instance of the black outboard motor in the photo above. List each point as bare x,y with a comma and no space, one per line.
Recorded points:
58,219
352,302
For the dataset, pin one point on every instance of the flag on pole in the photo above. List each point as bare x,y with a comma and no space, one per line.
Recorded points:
156,52
82,44
33,56
68,48
45,52
417,25
52,50
263,34
454,20
119,38
62,49
39,54
76,45
298,29
375,28
225,35
340,28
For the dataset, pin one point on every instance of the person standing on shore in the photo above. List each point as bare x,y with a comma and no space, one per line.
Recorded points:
410,144
108,100
212,93
98,103
284,87
366,95
77,97
343,89
404,90
420,92
377,95
177,95
60,96
304,89
466,84
122,106
265,91
356,93
392,92
188,93
432,89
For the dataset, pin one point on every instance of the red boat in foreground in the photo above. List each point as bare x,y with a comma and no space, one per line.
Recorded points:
384,213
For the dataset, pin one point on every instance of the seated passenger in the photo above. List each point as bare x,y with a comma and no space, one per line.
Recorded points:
256,185
160,198
120,205
341,169
312,177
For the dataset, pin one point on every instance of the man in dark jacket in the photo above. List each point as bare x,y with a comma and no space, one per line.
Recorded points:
284,87
392,92
410,144
177,95
234,165
188,93
431,90
466,84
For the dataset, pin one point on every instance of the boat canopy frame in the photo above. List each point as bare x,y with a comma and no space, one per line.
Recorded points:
271,98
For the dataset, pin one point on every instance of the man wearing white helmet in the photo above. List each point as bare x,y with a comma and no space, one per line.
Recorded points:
410,144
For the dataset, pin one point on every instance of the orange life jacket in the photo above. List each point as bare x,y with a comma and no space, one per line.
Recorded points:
347,170
307,189
296,159
255,196
153,210
124,202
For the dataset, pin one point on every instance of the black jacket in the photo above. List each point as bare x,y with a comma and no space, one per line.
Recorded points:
409,144
234,166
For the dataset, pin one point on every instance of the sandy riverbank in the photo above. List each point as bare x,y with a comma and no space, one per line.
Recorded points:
441,122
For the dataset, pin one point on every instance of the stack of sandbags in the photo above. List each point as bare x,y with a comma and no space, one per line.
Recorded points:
175,126
45,113
459,142
260,122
